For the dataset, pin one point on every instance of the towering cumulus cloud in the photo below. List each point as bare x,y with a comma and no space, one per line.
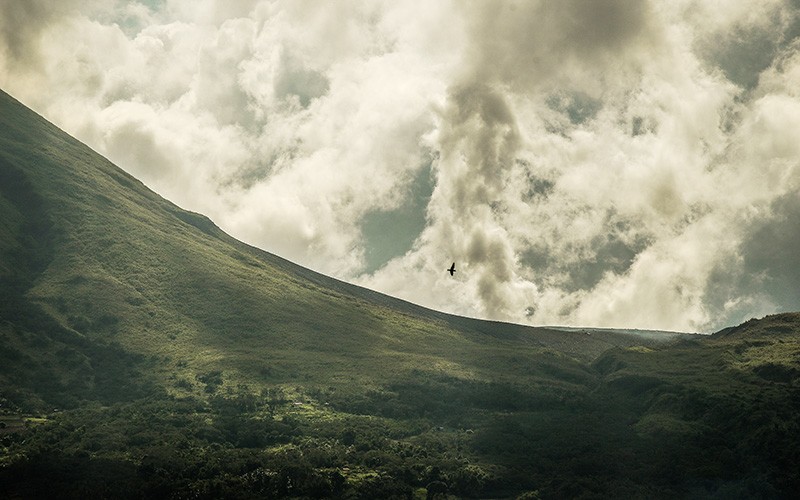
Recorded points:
593,162
517,50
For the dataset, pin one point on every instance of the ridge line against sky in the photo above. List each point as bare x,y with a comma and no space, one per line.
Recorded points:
600,163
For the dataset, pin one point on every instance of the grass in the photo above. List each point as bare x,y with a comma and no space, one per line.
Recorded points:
185,363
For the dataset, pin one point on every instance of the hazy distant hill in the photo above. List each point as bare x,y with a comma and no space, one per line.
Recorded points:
145,353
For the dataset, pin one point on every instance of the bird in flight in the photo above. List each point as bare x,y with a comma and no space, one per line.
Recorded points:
452,269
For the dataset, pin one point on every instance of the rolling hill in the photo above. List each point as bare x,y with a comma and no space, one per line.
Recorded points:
146,353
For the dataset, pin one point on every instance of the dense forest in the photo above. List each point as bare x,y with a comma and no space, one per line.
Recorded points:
680,420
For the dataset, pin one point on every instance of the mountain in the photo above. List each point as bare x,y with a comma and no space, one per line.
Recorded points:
146,353
92,254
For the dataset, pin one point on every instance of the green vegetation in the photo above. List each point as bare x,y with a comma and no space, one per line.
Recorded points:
144,353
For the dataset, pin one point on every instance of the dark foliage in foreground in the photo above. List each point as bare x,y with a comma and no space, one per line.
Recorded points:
674,422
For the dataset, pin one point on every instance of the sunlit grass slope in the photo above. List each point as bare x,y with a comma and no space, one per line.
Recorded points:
144,353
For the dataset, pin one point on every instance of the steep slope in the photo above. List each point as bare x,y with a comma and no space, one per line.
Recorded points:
144,353
93,254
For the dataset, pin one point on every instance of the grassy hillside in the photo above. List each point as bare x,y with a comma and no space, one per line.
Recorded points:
145,353
92,253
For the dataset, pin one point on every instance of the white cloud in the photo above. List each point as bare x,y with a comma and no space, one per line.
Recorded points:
594,162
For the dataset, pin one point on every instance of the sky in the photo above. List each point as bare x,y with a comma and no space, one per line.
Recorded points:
604,163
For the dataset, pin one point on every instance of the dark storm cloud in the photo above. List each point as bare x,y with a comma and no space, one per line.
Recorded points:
481,127
520,43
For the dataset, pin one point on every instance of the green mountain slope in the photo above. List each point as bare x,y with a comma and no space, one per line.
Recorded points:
145,353
93,253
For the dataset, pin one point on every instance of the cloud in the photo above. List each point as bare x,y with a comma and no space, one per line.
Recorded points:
23,23
526,43
586,162
769,251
